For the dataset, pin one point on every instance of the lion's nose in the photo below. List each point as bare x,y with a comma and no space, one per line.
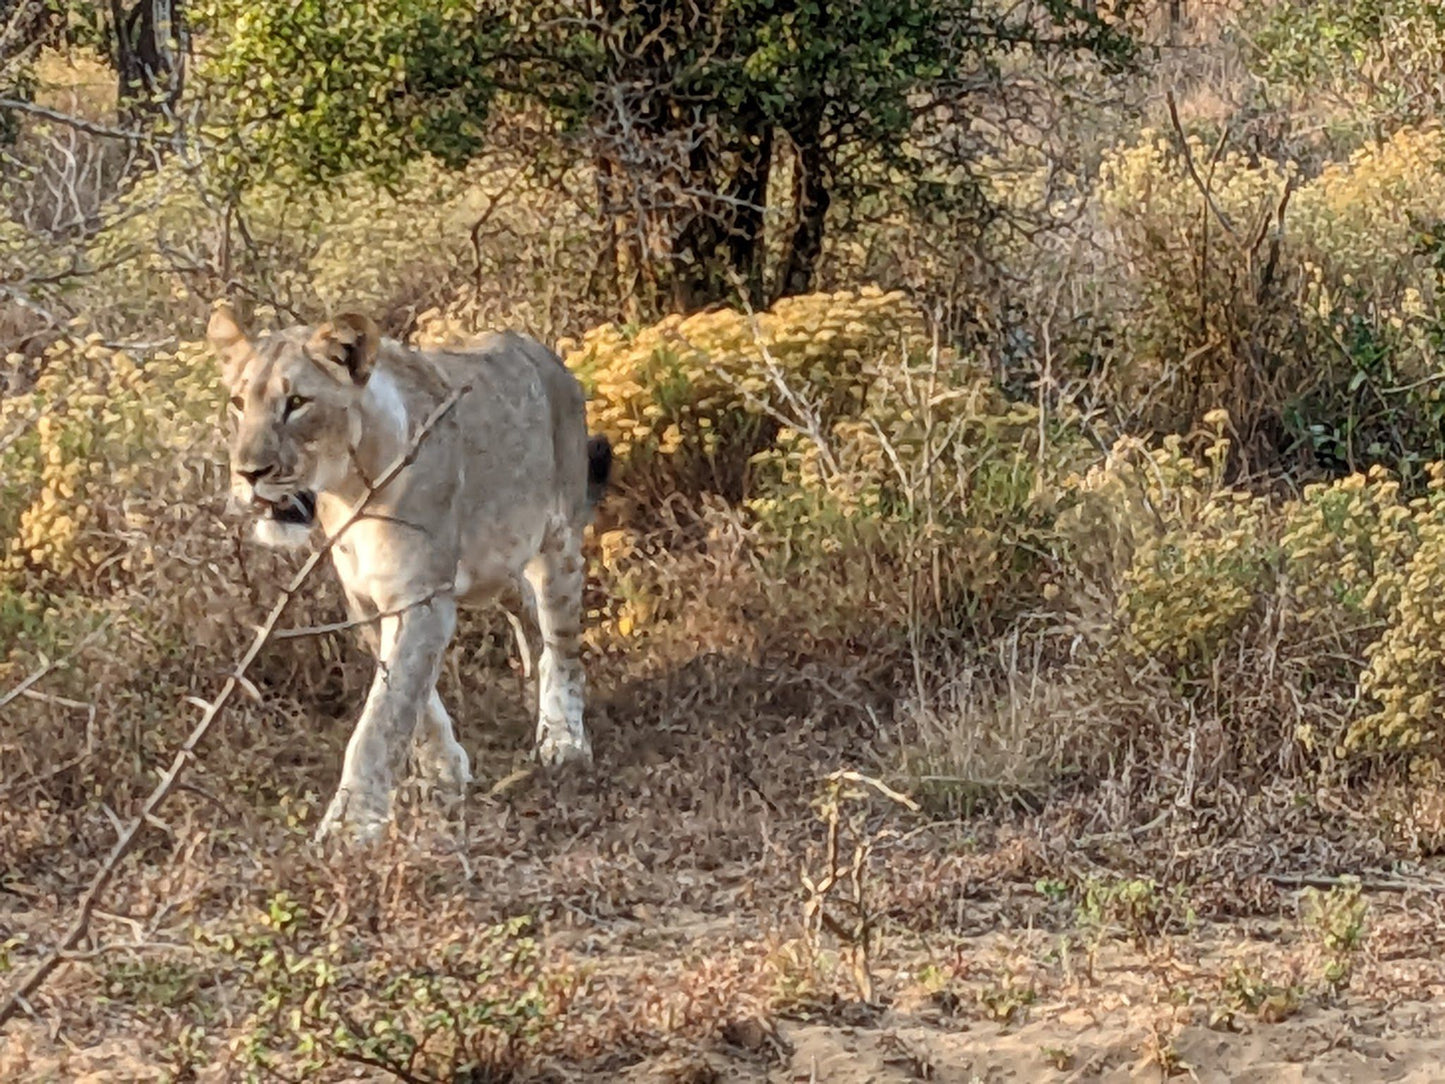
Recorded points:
255,474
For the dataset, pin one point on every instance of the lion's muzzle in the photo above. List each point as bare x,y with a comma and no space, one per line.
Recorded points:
293,507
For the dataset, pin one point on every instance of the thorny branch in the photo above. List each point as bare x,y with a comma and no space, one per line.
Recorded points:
17,999
358,622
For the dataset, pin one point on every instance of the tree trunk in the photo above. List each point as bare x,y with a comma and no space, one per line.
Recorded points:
811,199
746,242
149,55
723,242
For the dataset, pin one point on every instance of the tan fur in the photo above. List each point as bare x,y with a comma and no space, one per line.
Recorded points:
496,500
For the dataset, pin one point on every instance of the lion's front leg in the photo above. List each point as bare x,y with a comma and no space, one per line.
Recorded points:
409,660
441,761
556,575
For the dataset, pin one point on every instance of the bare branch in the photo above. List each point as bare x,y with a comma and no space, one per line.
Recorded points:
16,1000
1193,169
344,626
80,124
47,666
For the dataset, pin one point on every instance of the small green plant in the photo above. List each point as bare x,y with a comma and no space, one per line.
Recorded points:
1338,920
7,953
162,983
1005,1002
186,1052
471,1012
1135,908
1052,889
1247,990
1059,1057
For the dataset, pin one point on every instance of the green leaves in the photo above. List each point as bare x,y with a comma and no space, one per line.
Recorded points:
681,103
311,91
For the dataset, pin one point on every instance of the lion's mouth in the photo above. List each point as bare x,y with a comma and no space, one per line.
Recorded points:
297,508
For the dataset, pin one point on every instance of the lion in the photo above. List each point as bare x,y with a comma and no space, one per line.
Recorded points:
496,500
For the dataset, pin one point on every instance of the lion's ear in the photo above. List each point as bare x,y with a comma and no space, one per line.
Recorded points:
228,337
349,341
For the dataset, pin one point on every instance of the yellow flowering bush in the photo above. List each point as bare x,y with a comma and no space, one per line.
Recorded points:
1345,545
1367,569
1355,221
1306,308
1405,664
1184,313
1183,554
104,447
690,399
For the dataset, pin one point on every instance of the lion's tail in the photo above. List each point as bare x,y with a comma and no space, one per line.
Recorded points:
599,468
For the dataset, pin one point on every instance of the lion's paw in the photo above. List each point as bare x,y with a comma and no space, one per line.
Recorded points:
560,747
353,817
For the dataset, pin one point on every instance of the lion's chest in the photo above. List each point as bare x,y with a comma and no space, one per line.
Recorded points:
382,572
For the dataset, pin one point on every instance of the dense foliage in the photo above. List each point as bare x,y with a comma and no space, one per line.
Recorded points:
982,413
681,106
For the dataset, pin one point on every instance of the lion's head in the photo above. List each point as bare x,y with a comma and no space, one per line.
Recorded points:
295,415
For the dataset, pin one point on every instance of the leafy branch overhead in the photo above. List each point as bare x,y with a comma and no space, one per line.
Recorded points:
683,107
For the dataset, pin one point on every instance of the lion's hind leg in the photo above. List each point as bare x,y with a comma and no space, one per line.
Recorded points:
556,575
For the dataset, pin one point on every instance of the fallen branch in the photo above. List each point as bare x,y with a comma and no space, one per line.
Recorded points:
1366,882
17,999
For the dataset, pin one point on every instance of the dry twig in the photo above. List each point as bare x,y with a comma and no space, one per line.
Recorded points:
854,931
17,998
47,665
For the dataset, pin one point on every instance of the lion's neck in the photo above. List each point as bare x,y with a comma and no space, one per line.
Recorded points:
380,439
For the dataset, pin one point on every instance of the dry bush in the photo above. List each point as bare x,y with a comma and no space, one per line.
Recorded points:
1159,599
1306,308
1208,632
441,252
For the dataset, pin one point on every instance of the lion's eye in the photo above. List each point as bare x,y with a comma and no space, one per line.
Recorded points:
238,403
295,403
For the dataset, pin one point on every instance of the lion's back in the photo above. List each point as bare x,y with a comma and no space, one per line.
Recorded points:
524,422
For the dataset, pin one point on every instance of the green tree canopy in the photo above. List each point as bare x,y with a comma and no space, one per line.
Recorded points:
683,106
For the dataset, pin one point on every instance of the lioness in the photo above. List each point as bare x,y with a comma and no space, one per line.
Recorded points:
498,496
